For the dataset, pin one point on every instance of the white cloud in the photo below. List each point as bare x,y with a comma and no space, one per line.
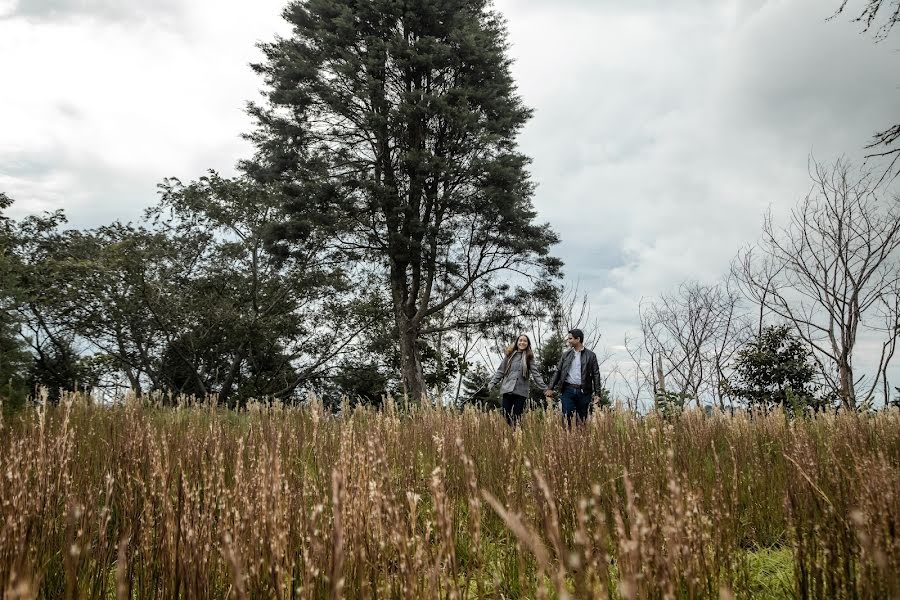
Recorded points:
114,10
666,134
98,103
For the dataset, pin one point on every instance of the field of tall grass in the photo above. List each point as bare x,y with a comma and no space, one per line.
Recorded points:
137,501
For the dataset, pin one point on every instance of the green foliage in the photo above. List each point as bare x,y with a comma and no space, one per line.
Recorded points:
59,368
364,383
671,404
251,320
13,357
14,362
548,354
775,369
369,369
194,300
45,266
605,398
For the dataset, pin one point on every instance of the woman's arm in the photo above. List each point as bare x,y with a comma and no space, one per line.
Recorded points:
501,371
536,376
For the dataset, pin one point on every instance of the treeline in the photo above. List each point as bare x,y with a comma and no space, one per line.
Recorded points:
807,318
383,235
198,298
202,297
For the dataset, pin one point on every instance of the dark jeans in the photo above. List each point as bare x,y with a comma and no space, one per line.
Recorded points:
575,405
513,405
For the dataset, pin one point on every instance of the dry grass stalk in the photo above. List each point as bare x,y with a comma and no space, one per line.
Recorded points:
292,502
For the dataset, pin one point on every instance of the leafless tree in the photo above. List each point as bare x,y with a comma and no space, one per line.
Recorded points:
694,333
879,17
832,272
541,319
869,16
636,380
888,323
573,311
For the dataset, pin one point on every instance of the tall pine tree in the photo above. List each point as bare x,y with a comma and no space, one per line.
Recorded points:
392,124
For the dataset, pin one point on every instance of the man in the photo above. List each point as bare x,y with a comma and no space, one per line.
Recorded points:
577,377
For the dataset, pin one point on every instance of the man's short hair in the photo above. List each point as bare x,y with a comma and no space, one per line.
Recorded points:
577,333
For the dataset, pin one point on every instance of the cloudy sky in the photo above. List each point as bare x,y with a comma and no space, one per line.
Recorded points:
662,130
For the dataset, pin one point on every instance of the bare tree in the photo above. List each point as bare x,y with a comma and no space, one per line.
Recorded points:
637,379
870,13
879,17
832,272
888,323
556,310
694,333
574,311
553,315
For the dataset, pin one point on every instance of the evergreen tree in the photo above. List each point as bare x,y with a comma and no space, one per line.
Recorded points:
774,369
548,354
474,388
392,125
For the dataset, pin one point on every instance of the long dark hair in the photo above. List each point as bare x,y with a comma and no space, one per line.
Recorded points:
529,354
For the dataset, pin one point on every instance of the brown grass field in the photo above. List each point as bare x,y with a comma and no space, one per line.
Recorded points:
137,501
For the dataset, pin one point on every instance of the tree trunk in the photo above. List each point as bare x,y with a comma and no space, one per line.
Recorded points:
848,393
234,369
410,363
660,377
135,382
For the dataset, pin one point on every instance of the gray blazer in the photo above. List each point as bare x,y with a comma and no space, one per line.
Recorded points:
510,373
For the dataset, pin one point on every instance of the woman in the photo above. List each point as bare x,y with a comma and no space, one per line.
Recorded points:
517,367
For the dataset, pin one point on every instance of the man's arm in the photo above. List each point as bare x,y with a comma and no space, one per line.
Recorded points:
554,381
595,374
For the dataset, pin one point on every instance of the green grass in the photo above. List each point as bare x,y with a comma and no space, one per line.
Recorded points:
771,574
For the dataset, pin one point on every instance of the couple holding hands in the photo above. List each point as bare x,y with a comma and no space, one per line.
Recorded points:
577,377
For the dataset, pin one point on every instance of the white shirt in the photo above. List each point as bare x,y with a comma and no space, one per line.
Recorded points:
574,375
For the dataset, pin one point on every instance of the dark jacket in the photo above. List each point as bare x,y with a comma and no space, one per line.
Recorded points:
590,372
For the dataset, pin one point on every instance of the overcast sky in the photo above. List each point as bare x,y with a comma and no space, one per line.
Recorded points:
662,130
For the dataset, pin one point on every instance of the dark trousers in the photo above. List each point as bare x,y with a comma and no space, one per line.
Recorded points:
575,405
513,405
